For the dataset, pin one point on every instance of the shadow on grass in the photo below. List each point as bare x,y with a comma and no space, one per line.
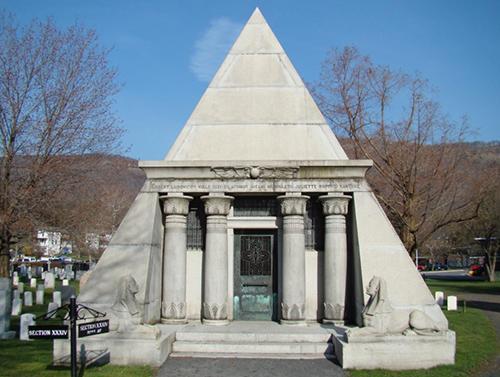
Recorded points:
483,305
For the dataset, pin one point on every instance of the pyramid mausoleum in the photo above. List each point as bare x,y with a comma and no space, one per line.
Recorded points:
256,222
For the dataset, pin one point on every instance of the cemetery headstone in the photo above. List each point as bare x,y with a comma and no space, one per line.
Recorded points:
5,309
439,296
23,270
28,298
52,306
26,320
56,298
452,302
17,306
65,282
15,293
49,280
66,293
39,297
33,283
20,287
15,280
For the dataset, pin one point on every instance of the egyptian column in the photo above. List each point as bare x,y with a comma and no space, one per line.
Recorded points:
335,207
215,270
173,307
293,207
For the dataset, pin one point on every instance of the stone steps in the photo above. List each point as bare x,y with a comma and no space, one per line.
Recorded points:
191,336
218,355
253,345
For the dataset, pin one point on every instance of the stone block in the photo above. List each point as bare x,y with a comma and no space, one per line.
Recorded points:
66,292
52,306
56,298
5,309
40,297
49,280
28,298
439,297
396,352
17,306
452,303
123,350
26,320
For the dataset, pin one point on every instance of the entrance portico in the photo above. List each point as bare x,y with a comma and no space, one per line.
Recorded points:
302,283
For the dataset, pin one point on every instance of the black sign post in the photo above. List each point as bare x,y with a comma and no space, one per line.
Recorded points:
72,312
72,324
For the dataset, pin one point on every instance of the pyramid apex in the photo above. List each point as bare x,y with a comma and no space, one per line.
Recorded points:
256,17
256,98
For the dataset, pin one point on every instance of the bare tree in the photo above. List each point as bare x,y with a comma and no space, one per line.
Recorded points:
56,88
484,230
390,118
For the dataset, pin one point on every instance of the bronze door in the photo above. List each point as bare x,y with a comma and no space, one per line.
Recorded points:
254,264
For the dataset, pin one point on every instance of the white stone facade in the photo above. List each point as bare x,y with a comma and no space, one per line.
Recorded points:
257,133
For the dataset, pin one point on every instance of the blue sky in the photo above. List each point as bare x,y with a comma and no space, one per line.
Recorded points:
166,51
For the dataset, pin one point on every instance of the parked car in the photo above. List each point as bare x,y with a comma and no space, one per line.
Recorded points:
440,266
476,270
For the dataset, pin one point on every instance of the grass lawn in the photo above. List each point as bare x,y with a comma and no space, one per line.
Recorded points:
476,339
476,345
453,287
33,358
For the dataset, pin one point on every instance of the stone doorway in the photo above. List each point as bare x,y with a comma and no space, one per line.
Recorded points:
255,276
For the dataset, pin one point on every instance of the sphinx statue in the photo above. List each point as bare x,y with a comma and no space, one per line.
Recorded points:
381,318
125,314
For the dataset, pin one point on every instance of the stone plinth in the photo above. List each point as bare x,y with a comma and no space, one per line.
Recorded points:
396,352
173,307
217,207
293,208
123,350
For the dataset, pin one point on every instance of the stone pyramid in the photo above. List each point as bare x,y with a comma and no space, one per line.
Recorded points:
256,108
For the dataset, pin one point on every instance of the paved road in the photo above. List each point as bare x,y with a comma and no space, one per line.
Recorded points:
490,305
204,367
450,275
